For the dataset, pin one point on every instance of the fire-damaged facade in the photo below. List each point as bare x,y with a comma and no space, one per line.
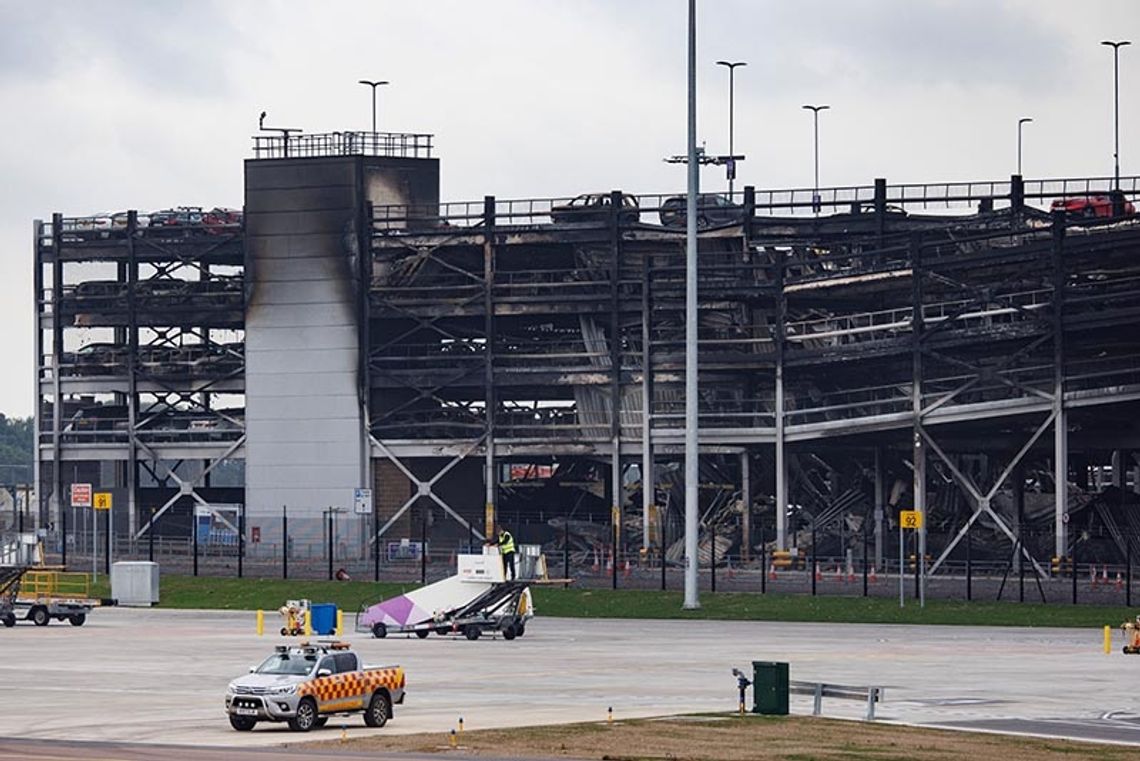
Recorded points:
964,349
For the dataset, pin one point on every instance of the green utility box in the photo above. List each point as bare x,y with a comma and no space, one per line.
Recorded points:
770,688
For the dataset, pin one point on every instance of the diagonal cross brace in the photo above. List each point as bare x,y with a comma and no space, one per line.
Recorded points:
982,501
182,484
424,488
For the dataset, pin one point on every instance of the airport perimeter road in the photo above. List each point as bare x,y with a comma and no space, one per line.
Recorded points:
159,676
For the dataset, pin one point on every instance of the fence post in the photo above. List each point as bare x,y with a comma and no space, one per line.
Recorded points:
150,537
423,545
194,534
814,559
332,539
241,540
284,542
763,562
712,558
566,553
969,566
865,547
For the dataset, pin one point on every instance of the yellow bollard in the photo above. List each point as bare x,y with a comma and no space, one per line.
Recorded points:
308,624
610,715
1107,640
343,733
260,623
460,725
339,622
451,739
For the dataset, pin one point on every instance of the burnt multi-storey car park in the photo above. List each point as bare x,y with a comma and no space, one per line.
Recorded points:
476,336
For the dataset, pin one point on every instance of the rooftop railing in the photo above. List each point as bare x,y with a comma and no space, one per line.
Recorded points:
407,145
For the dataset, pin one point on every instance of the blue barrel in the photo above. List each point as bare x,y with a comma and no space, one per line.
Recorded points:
323,616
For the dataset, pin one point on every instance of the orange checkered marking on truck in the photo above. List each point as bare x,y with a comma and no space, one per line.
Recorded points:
354,686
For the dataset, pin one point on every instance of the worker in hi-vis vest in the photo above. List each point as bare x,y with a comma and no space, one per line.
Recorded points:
506,544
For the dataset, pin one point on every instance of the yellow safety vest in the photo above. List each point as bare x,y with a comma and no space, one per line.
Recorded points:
506,543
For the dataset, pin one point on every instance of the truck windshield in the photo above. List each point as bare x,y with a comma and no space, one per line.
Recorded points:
292,664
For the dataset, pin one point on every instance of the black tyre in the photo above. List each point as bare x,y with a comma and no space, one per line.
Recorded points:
472,632
242,723
378,710
509,632
520,629
9,620
443,632
379,631
422,633
306,717
39,616
284,632
78,619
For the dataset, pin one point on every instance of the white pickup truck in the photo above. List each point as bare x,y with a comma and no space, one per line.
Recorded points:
305,684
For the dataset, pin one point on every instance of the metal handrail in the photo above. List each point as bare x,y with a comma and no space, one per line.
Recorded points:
414,145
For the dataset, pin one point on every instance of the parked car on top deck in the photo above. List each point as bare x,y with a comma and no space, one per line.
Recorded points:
595,207
712,210
1091,207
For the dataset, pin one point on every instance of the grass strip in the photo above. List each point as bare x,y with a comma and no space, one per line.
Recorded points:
214,593
737,738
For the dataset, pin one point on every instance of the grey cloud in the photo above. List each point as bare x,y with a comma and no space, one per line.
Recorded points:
162,45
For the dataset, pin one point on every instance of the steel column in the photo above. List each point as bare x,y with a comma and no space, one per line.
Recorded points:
746,502
918,451
1060,417
781,461
615,379
648,484
692,470
490,479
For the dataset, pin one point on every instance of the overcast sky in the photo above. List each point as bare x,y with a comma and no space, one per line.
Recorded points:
151,103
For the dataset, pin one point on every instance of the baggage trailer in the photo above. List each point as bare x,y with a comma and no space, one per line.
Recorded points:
44,594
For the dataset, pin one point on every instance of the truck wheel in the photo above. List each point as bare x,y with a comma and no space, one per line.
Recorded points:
9,620
39,615
284,632
509,632
306,717
379,631
520,629
242,723
77,619
471,632
378,710
422,633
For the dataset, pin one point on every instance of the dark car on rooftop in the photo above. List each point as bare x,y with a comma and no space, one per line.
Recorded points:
595,207
712,211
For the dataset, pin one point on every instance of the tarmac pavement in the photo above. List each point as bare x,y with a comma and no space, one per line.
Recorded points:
159,676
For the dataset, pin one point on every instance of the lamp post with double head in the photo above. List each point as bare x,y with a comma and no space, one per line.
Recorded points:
374,85
815,201
731,66
1116,46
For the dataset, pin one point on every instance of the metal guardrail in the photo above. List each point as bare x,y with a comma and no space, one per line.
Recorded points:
821,690
410,145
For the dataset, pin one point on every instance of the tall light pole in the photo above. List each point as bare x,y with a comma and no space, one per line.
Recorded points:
1116,46
1020,123
691,420
815,201
374,85
731,66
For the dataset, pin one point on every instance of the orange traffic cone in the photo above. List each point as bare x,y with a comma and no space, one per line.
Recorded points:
625,571
838,573
1092,577
874,575
1119,581
772,572
818,575
850,574
1104,575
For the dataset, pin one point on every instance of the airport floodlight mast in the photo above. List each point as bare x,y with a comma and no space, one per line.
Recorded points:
374,85
692,493
1020,123
815,199
731,164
